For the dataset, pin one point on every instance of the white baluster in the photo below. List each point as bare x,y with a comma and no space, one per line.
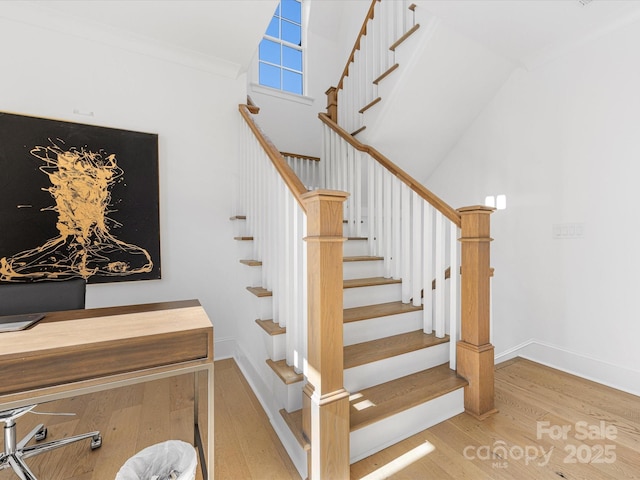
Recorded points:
427,302
371,210
440,243
454,298
388,249
406,243
379,211
416,249
357,193
396,222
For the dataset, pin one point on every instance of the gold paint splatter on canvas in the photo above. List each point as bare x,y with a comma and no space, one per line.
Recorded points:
81,180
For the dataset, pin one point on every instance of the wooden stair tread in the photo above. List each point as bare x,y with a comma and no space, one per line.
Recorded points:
386,74
294,422
361,258
286,373
238,217
369,282
357,238
370,104
251,263
367,352
380,310
398,42
403,393
355,132
389,398
271,327
260,292
243,238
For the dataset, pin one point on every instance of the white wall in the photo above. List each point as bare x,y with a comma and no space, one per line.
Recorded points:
562,142
48,73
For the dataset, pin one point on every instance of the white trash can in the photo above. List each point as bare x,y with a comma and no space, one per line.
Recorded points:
170,460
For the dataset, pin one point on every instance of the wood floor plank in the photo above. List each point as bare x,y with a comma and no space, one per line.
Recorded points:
528,393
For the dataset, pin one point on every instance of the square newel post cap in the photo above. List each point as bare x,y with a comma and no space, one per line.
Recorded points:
476,209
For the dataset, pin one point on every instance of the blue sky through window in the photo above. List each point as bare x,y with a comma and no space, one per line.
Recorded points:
280,52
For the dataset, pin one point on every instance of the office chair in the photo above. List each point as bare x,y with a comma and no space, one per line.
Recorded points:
37,297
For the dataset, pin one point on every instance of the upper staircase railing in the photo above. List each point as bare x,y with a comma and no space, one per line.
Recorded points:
414,231
387,24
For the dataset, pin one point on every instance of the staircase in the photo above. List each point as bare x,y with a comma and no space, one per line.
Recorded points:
371,307
398,377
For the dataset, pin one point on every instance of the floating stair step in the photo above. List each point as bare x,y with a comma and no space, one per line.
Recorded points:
401,394
286,373
386,74
251,263
243,238
361,258
370,282
410,32
271,327
380,310
260,292
370,104
238,217
354,133
368,352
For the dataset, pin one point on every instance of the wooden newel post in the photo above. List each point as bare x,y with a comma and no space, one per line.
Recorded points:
325,413
475,352
332,103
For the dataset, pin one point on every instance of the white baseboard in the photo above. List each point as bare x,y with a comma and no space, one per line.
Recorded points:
615,376
224,348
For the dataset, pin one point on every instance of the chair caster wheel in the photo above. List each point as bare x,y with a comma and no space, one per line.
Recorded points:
41,434
96,442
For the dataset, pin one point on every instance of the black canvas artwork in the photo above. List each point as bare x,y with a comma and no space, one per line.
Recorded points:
77,201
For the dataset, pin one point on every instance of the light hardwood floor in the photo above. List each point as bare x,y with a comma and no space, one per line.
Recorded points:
524,440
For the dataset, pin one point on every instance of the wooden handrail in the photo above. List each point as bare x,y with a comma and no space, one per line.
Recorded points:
356,45
286,172
416,186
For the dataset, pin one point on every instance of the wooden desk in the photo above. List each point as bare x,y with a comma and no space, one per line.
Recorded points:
85,351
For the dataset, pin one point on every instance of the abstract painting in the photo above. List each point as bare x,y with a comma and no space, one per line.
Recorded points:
77,201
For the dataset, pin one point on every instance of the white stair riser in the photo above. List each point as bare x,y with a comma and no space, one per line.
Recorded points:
371,295
375,373
375,437
244,249
289,396
375,328
366,269
275,345
355,248
263,306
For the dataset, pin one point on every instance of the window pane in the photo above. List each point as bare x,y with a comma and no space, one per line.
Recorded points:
274,28
291,58
291,32
270,51
269,76
277,12
292,82
291,10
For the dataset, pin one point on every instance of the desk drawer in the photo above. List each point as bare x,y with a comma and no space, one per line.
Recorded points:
99,359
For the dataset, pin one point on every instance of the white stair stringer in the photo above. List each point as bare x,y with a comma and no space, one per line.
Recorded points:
381,371
379,435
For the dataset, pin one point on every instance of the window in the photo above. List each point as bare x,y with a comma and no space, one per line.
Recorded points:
280,52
